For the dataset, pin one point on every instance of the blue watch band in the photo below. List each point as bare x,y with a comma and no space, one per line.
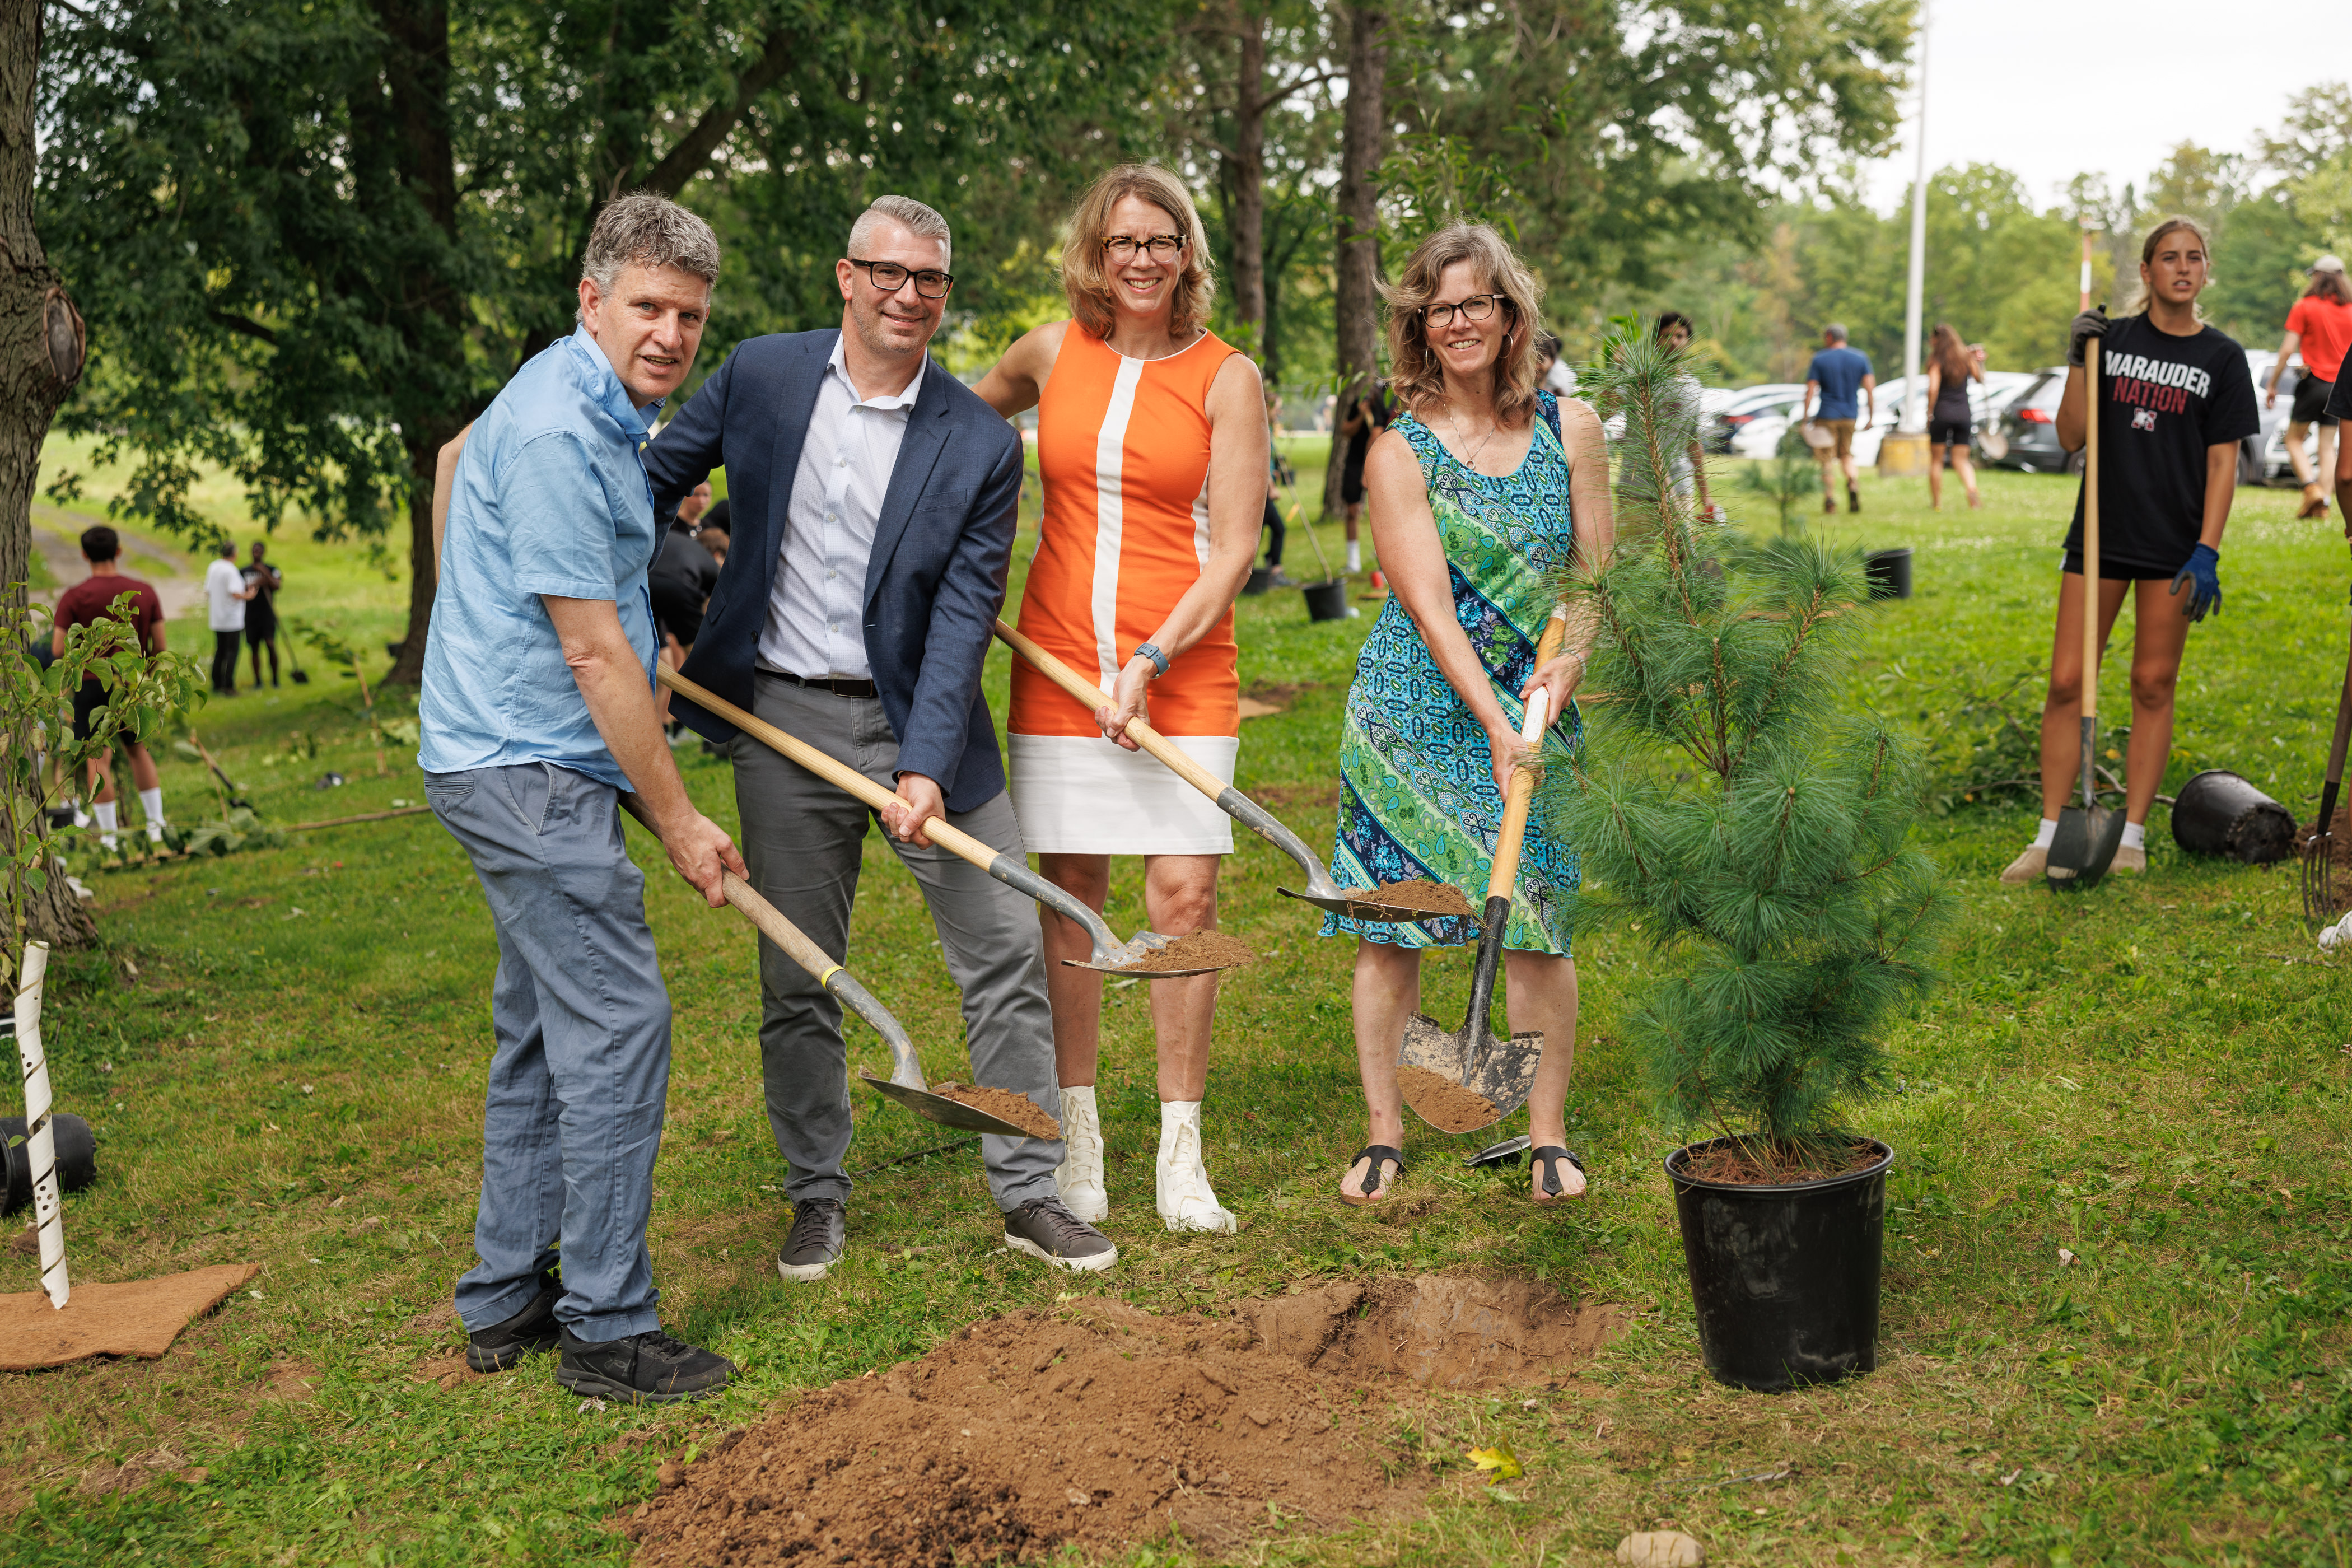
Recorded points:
1152,651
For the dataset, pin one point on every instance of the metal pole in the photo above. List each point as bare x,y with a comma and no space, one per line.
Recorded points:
2087,232
1915,405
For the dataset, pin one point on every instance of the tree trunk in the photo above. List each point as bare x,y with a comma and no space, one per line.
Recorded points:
1250,104
430,311
41,351
1364,140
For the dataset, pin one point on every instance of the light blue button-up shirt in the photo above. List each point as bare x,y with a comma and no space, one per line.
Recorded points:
550,497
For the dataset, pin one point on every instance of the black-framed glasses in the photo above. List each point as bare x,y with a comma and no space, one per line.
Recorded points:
1477,307
889,278
1159,247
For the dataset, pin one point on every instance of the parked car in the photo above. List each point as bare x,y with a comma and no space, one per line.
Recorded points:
2029,418
1719,425
2263,457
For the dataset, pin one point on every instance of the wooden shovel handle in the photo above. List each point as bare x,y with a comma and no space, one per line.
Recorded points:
796,943
1094,697
1523,780
953,840
2091,528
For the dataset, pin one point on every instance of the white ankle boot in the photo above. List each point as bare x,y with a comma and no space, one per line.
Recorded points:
1186,1200
1080,1174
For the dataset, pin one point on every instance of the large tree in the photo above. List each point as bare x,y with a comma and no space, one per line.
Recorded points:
318,235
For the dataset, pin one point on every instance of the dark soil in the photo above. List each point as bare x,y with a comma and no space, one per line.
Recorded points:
1758,1163
1106,1425
1416,893
2338,896
1443,1103
1201,950
1005,1105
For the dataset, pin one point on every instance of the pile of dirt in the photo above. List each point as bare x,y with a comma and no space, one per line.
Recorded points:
1106,1425
1432,898
1201,950
1002,1104
1443,1103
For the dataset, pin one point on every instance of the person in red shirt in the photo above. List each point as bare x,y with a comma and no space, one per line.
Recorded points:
82,605
2321,325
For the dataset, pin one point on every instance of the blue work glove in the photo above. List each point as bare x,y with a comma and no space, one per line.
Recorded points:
2091,323
2202,576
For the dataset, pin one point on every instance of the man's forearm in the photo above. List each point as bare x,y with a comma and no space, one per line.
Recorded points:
622,704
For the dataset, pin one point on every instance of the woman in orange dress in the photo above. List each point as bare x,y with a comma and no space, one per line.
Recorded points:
1152,440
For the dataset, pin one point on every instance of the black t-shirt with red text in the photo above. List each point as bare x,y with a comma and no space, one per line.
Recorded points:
2163,400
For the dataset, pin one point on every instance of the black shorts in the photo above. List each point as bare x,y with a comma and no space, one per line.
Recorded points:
88,699
2120,572
2311,402
1943,432
258,634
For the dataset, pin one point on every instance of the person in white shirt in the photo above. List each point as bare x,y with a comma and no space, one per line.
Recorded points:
225,593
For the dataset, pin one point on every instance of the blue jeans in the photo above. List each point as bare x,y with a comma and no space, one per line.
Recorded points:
581,1018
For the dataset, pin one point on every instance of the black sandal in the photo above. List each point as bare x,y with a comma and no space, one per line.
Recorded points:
1546,1159
1379,1154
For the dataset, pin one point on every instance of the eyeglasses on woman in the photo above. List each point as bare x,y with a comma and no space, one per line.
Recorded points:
1159,247
1477,307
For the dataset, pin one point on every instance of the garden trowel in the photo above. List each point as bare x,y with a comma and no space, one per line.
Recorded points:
1500,1069
2087,835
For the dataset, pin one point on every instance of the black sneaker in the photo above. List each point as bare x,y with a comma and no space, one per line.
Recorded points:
1853,499
528,1332
1045,1229
650,1368
820,1231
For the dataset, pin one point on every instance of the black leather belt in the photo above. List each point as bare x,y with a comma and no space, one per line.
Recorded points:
865,688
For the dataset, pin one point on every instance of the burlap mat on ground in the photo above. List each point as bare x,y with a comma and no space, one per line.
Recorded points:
140,1318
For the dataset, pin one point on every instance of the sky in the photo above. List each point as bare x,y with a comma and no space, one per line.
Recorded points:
2051,89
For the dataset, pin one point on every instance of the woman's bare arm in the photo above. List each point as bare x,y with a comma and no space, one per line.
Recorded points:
1018,380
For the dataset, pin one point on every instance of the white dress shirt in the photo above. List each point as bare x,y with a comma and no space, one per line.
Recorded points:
816,611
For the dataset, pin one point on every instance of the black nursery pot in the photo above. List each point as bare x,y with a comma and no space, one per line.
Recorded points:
77,1157
1327,601
1785,1278
1889,571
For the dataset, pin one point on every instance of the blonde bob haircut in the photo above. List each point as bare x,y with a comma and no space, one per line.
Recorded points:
1086,272
1414,370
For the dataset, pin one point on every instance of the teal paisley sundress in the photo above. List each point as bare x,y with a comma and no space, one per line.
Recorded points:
1417,795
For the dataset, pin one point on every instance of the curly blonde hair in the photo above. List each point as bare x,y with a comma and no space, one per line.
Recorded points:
1087,280
1414,373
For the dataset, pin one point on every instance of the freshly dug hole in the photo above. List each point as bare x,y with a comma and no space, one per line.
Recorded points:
1102,1427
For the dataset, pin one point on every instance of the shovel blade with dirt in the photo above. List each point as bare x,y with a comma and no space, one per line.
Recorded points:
1107,955
2088,835
906,1084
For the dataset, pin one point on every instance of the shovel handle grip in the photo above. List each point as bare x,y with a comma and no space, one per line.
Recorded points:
1513,834
1094,697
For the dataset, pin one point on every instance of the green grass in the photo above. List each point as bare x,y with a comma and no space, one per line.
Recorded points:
2154,1077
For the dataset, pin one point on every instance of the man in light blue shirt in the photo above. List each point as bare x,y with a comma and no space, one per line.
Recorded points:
1841,381
537,712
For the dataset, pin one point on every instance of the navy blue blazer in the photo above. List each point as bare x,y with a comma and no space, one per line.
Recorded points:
942,548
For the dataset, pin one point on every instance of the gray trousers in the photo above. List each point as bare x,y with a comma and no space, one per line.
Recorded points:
573,1116
803,840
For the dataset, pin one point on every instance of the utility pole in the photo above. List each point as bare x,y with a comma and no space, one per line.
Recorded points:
2087,232
1905,449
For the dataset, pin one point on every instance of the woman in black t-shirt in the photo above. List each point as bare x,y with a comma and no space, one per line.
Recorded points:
2175,399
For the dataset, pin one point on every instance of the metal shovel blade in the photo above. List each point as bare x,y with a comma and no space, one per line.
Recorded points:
1115,960
1498,1070
939,1108
2083,847
1369,909
1506,1153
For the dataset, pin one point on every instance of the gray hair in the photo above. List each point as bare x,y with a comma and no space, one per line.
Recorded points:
922,222
642,229
1835,330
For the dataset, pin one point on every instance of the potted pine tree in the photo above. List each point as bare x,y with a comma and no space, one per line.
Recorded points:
1738,814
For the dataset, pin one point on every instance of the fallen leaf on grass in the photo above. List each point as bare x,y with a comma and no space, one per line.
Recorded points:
1499,1460
2065,1258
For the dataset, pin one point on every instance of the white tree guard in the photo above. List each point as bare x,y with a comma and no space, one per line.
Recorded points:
41,1137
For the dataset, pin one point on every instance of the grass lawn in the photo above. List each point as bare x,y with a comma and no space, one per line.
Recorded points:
284,1053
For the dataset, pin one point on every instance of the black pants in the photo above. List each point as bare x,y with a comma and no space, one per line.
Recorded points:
1274,528
225,646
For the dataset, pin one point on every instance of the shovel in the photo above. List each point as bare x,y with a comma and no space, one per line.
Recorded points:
2087,835
906,1083
1321,891
2325,886
1499,1070
1110,955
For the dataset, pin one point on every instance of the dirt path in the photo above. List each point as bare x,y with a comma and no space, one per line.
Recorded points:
176,577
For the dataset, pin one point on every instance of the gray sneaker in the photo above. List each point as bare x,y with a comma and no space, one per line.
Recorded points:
820,1231
1045,1229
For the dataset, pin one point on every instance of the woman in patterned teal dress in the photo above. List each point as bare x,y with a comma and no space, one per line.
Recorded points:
1482,491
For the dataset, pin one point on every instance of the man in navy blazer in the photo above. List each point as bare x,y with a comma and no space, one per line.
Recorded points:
873,502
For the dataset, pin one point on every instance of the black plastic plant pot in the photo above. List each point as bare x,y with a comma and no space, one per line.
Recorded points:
1261,578
77,1157
1327,601
1889,571
2219,812
1785,1278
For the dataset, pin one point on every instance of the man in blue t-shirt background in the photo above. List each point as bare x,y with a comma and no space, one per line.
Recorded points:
1840,379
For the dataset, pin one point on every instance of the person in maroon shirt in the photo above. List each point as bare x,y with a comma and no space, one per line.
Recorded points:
82,605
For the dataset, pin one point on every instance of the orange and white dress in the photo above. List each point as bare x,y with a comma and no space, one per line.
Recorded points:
1123,446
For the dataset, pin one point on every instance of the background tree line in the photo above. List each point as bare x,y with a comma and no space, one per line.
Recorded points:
313,237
